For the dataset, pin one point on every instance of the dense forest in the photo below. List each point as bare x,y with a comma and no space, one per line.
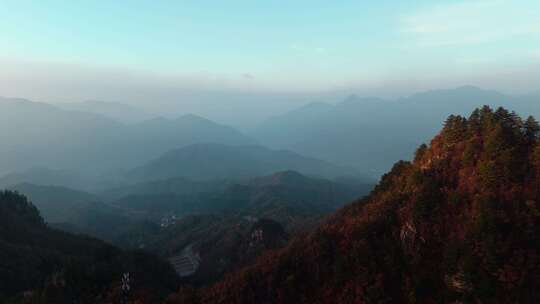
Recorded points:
460,223
42,265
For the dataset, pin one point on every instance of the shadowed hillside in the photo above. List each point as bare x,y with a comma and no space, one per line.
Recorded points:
42,265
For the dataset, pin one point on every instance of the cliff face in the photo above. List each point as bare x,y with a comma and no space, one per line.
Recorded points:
458,224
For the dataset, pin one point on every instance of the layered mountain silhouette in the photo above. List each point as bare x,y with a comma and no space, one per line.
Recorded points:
176,186
372,133
218,161
41,135
49,177
118,111
460,223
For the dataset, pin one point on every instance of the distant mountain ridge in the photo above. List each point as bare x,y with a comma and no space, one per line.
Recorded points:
371,133
178,185
46,177
216,161
118,111
48,136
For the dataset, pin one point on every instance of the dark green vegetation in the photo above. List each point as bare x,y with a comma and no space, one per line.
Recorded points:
285,203
287,197
459,224
81,212
216,218
57,204
39,264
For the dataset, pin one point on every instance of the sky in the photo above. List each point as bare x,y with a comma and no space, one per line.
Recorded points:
185,54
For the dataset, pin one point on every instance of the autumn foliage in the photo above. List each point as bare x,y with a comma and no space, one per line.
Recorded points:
459,223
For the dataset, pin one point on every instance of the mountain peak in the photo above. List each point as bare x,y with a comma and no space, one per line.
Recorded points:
192,117
468,87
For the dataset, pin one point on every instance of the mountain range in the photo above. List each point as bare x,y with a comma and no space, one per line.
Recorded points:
457,224
370,134
218,161
50,137
118,111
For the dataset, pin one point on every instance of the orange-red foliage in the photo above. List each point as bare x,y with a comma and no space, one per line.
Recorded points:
460,223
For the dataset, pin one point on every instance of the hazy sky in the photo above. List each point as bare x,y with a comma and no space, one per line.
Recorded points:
174,51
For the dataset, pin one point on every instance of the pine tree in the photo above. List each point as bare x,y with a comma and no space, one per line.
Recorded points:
455,128
495,143
420,152
531,129
474,123
486,118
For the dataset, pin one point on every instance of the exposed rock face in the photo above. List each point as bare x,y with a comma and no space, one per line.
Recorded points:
458,282
410,238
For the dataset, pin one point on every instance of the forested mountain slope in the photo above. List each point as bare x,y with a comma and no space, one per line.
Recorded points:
42,265
461,223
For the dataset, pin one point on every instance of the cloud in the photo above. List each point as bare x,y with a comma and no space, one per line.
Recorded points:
473,22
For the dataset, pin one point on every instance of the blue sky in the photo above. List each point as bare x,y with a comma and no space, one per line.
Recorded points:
285,46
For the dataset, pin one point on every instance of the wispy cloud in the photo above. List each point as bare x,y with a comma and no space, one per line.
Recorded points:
472,22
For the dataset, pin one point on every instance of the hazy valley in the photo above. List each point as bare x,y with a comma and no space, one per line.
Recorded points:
272,152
